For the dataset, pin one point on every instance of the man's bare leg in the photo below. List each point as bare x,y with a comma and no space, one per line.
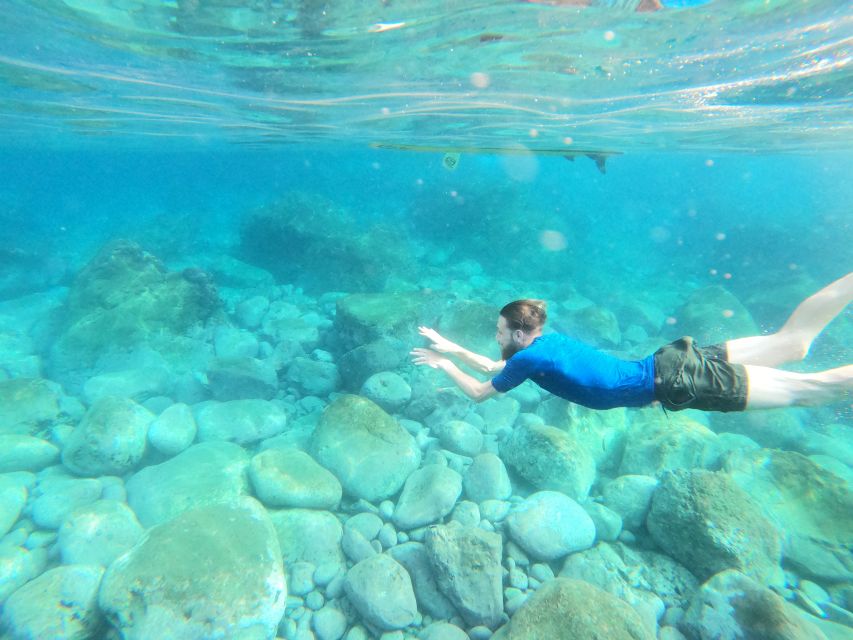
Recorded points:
769,388
792,341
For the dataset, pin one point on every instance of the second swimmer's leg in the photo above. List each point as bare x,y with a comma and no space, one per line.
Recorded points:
769,388
792,341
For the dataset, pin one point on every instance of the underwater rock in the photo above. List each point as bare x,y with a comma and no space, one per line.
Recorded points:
487,479
364,317
313,377
549,458
470,322
366,449
110,440
647,580
60,603
230,343
358,364
415,559
459,437
656,443
712,315
240,421
591,324
285,323
204,474
731,606
137,384
388,390
173,430
381,591
630,496
308,535
308,239
608,523
601,433
98,533
25,453
707,522
428,495
29,406
54,498
466,562
549,525
13,497
566,609
242,379
188,579
17,567
291,478
228,271
499,413
443,631
773,428
124,296
812,505
251,312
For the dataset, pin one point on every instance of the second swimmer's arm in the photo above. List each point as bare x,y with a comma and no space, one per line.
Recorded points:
473,360
475,389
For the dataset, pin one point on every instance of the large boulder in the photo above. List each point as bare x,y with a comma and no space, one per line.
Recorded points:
361,362
205,473
188,579
549,525
291,478
98,533
429,494
466,562
713,315
364,317
242,378
646,580
241,421
656,443
381,591
29,406
601,433
25,453
60,603
549,458
326,248
811,505
366,449
308,535
566,609
110,440
731,606
709,524
125,295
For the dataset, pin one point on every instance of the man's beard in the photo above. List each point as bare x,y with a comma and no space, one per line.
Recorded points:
509,351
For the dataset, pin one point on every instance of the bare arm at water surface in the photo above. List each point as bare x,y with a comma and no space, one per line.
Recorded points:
473,360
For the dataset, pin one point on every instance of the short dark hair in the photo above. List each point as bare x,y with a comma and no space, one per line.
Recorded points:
527,315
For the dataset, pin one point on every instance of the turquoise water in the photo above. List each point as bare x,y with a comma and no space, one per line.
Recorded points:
221,224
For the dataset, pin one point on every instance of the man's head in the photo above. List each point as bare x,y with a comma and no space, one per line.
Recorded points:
519,323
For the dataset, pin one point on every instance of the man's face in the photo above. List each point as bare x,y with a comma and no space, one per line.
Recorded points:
505,339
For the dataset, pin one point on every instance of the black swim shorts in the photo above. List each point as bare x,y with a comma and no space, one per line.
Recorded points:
692,377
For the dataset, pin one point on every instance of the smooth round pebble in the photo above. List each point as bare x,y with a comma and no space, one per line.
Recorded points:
329,623
315,601
300,578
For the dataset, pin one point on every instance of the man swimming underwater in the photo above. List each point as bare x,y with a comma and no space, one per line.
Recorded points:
735,376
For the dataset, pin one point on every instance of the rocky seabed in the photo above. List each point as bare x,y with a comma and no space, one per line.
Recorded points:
277,469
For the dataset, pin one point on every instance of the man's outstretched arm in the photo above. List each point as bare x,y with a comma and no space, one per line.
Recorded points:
475,389
473,360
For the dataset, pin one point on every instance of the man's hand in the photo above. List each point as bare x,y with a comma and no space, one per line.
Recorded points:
439,343
428,357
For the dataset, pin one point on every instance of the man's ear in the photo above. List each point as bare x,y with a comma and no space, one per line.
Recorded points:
518,336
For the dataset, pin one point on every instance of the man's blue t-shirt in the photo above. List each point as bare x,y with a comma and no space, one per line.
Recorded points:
580,373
